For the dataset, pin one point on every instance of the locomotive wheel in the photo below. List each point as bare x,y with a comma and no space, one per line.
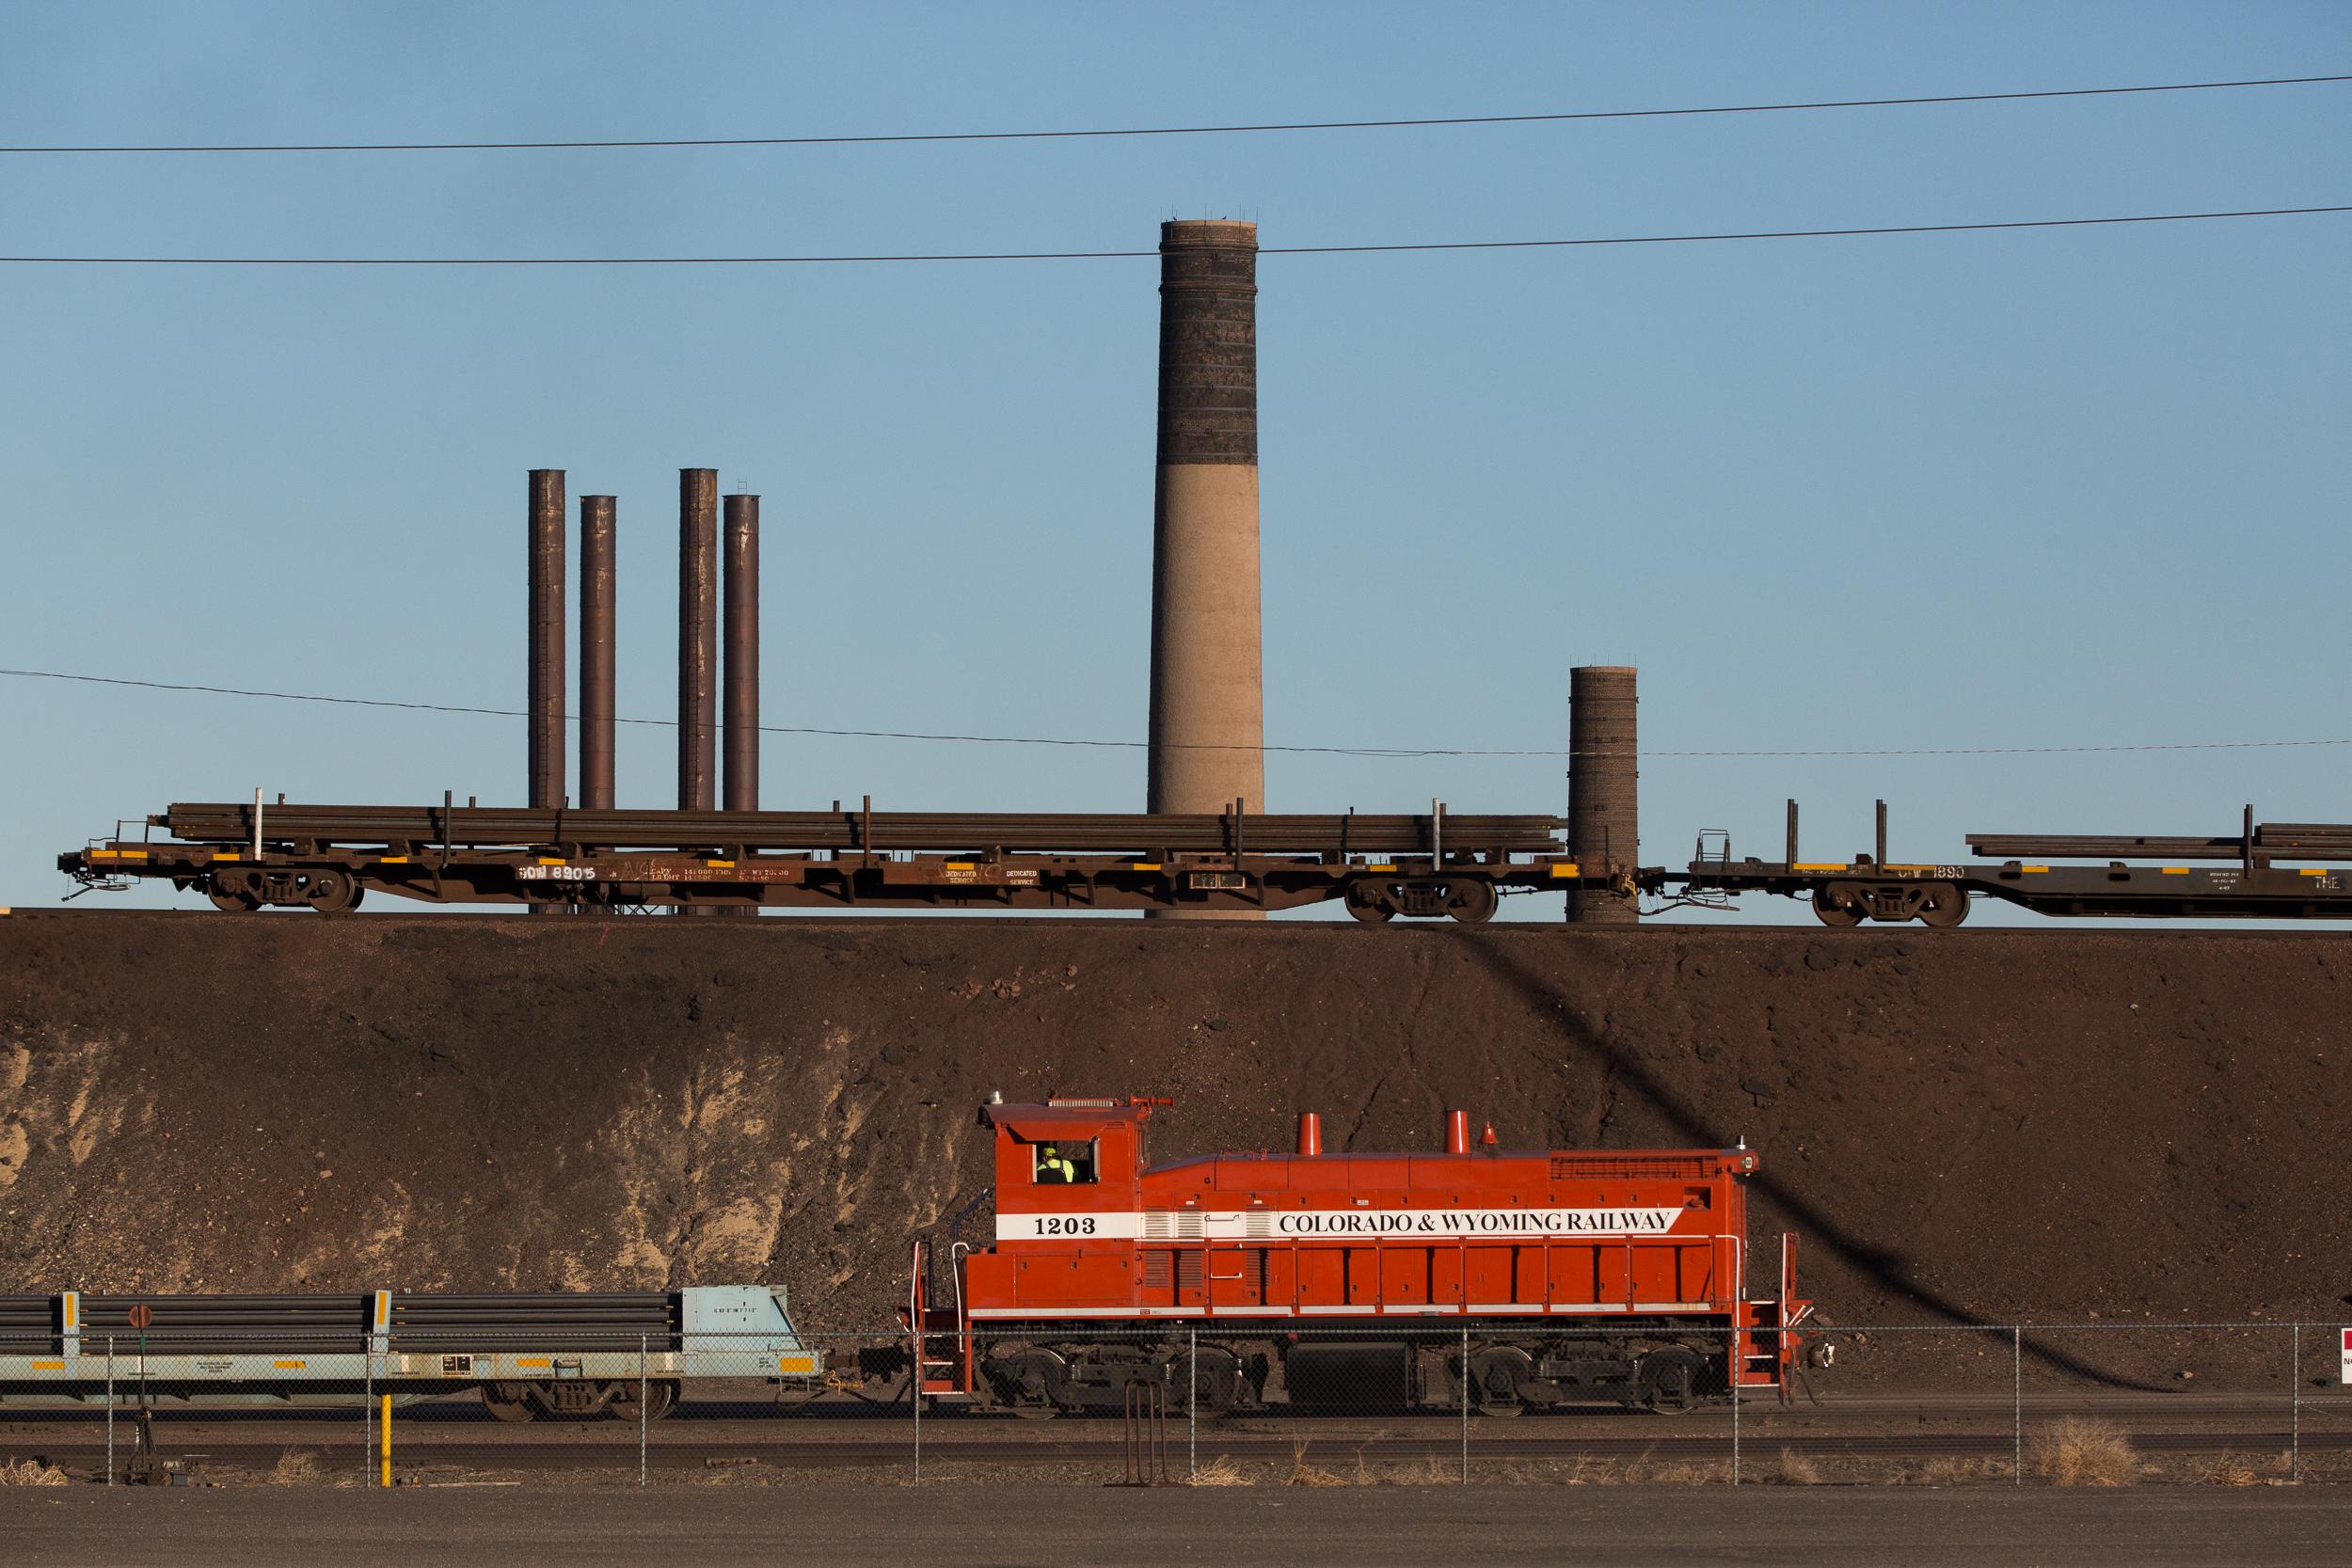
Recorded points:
508,1401
1472,903
1495,1374
1215,1378
1367,904
1033,1382
1670,1381
1947,905
1836,910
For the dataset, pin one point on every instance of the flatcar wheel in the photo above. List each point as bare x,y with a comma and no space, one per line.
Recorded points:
507,1402
331,892
1472,903
1838,910
661,1399
1368,905
1947,905
235,903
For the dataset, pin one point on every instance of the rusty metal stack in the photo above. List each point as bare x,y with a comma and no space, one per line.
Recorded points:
1604,788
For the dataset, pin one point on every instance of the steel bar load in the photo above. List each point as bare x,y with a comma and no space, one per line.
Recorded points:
2251,886
1377,866
521,1353
2308,840
877,832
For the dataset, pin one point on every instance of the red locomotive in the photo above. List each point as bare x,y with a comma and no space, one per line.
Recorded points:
1540,1277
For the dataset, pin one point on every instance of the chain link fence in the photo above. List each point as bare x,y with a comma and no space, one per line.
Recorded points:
2088,1403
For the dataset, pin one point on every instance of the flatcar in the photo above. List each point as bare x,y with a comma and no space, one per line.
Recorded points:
529,1354
1506,1279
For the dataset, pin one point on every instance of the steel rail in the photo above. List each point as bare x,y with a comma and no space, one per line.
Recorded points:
858,829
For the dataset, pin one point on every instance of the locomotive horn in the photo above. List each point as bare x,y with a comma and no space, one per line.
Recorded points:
1309,1134
1457,1131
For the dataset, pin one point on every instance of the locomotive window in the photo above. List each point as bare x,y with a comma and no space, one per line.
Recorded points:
1063,1164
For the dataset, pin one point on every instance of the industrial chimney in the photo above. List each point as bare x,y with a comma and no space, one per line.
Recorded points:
1207,725
697,638
545,696
741,671
1604,788
597,647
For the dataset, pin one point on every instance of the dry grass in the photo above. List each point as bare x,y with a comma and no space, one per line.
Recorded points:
2078,1451
1955,1472
30,1472
1304,1474
1796,1471
1221,1471
2229,1469
297,1468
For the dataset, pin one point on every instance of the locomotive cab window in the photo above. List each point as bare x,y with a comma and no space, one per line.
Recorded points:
1060,1165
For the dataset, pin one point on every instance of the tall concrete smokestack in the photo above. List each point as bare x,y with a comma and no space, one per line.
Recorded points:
597,639
697,638
1208,726
546,701
741,670
1604,788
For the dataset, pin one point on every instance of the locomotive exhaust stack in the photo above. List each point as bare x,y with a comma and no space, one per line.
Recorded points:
1457,1131
1309,1134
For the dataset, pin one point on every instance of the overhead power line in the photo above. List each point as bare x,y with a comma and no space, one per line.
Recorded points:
1114,255
1396,751
1549,119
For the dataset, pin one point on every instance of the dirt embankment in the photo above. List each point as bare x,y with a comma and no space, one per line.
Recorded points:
1972,1124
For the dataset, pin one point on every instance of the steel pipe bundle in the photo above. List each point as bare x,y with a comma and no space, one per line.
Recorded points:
421,827
2310,841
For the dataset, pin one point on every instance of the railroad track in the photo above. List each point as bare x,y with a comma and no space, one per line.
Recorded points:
832,1452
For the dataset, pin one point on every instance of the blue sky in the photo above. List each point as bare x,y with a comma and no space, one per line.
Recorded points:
2047,488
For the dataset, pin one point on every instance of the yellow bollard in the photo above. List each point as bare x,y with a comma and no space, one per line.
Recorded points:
388,1440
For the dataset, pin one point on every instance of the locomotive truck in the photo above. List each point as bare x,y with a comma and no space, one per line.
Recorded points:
1511,1278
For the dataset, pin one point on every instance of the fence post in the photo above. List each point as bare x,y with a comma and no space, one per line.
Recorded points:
2295,1406
2017,1404
1192,1410
642,1402
1466,1386
110,1410
1731,1364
